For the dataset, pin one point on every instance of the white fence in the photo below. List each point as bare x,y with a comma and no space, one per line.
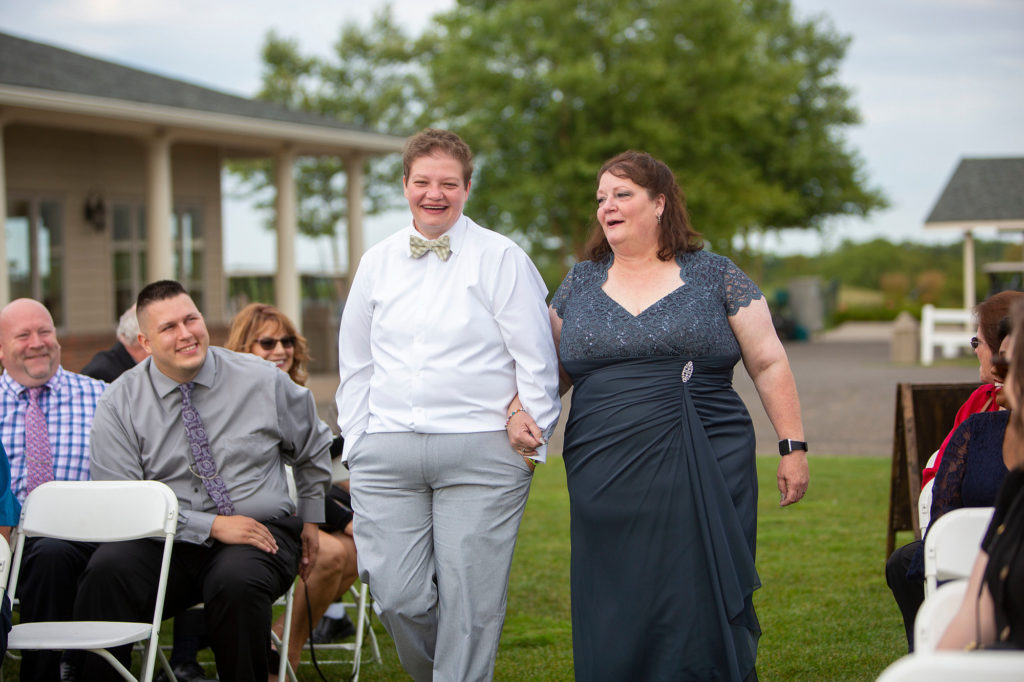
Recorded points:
948,328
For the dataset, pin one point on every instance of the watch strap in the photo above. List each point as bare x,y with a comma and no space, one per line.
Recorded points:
788,445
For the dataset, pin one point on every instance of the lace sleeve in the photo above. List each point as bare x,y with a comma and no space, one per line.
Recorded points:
561,296
947,491
740,290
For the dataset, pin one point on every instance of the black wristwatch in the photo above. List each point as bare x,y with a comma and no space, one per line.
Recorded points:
788,445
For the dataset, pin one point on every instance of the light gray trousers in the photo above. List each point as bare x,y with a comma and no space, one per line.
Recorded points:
436,519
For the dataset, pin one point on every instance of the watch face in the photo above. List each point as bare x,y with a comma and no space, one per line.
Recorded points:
789,445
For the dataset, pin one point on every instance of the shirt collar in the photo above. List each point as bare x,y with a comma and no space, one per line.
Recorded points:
456,234
55,383
165,385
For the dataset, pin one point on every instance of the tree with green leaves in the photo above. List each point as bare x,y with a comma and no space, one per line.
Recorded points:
737,96
374,82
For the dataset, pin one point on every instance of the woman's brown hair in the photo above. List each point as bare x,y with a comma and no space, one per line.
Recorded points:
989,314
249,321
675,234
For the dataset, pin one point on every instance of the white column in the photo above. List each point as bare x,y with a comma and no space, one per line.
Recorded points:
969,293
5,276
354,173
286,280
159,207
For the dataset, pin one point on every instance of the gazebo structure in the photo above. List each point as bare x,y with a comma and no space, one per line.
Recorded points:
110,177
983,193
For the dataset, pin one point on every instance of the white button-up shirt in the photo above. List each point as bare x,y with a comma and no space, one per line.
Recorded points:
433,346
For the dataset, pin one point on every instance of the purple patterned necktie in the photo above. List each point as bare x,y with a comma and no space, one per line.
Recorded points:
199,445
38,456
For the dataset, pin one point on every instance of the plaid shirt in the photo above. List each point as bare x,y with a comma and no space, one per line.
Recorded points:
68,406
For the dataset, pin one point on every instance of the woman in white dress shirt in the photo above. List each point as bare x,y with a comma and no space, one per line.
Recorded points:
449,385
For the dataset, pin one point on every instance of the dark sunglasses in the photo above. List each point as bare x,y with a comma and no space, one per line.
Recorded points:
270,343
975,342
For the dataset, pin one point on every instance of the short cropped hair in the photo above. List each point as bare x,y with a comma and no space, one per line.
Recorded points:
246,326
158,291
430,141
675,232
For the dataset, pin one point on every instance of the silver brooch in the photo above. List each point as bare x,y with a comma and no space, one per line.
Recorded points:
687,371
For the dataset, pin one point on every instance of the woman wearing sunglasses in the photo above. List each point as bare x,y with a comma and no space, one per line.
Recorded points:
265,331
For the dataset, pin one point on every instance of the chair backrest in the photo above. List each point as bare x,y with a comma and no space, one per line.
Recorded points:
100,511
96,511
5,565
935,614
924,506
952,545
956,666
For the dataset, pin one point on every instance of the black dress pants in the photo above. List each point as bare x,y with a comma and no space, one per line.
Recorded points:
909,594
46,591
237,583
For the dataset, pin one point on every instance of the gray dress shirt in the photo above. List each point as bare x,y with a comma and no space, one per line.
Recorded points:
256,418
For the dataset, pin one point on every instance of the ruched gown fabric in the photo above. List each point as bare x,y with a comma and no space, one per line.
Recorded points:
659,456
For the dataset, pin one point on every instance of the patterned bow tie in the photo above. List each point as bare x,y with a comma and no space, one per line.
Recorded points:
440,246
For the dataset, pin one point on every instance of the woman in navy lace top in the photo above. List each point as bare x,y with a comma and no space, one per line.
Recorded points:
659,448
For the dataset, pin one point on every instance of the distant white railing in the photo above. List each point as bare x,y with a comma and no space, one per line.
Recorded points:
948,328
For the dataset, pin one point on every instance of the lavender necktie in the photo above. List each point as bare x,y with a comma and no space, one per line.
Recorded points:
38,456
199,445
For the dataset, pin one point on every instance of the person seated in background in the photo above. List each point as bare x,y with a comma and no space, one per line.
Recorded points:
45,416
993,315
992,612
976,459
265,331
217,427
126,352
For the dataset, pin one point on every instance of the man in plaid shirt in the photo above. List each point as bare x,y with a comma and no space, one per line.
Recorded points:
31,358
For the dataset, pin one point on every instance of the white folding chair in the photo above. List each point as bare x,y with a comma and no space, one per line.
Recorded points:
98,511
935,614
957,666
924,498
5,565
952,545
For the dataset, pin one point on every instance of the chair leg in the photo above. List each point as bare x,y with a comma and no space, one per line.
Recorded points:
115,664
285,667
164,665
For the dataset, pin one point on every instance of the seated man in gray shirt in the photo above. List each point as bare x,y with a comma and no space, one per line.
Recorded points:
218,427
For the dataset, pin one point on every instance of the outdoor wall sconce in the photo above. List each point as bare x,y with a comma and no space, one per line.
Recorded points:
96,211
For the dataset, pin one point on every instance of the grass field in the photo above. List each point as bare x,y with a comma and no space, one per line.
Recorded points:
824,608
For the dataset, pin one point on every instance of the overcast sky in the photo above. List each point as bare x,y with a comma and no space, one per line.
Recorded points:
934,80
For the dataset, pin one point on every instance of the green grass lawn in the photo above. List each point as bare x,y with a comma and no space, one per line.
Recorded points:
824,608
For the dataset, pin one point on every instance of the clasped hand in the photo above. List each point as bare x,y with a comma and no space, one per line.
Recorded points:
525,436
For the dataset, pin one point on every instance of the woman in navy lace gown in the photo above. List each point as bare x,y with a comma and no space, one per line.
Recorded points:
659,449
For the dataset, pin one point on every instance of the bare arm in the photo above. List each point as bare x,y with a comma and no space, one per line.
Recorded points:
964,629
564,380
766,362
